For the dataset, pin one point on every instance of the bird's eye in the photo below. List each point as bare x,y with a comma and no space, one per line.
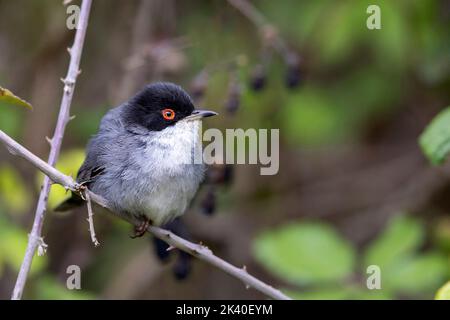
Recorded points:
168,114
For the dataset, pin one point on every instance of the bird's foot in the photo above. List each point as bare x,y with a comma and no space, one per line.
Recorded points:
140,230
81,188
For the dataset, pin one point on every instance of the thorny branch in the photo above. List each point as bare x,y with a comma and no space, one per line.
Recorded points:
197,250
35,241
269,33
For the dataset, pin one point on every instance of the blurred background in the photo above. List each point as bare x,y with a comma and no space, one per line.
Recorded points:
353,188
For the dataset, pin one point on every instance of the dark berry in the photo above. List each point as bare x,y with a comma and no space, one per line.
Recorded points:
293,76
258,78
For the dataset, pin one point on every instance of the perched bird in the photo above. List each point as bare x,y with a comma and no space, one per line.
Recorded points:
142,158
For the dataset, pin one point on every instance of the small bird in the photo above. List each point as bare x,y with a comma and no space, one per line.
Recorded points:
142,158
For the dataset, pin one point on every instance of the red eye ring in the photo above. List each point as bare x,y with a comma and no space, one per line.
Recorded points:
168,114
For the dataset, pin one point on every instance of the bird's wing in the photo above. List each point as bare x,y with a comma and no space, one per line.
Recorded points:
88,173
99,145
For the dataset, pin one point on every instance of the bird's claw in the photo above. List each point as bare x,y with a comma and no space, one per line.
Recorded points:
81,189
140,230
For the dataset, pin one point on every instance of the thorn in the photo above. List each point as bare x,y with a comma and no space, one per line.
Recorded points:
170,248
78,72
244,268
63,80
247,286
42,247
12,151
69,50
72,117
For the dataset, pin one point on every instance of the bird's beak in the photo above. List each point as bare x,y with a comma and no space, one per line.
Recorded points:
199,114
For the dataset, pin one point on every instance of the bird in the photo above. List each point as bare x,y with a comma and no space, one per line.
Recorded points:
141,160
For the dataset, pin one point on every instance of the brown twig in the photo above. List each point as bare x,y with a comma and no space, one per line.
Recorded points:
197,250
35,239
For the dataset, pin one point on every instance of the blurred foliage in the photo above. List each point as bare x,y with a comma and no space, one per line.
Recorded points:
441,233
400,238
435,140
291,252
13,190
11,121
48,288
315,256
86,123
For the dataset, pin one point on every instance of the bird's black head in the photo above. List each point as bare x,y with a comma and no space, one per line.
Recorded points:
161,105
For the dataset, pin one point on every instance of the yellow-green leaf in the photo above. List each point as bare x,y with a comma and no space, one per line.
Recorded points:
9,98
444,292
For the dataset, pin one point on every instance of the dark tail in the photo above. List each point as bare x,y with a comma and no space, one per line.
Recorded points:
70,203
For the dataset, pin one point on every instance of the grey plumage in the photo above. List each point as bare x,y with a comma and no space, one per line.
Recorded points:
140,171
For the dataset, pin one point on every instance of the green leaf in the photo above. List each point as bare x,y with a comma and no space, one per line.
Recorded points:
417,275
9,98
444,292
400,239
435,140
305,253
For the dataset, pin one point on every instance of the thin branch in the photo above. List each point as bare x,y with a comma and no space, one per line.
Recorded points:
35,240
90,219
197,250
269,32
